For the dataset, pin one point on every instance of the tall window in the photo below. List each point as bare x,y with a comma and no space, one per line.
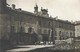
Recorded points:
59,25
55,38
39,31
55,33
39,22
12,29
22,29
67,36
60,35
48,31
70,34
45,31
49,23
29,30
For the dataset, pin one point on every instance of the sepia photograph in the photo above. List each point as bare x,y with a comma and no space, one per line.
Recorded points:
39,25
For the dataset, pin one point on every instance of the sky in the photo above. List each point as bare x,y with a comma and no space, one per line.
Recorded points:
64,9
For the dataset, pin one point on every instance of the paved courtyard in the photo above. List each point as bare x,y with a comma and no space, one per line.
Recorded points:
22,48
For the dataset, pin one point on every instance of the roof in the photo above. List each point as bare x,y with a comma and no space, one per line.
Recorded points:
30,13
77,23
64,21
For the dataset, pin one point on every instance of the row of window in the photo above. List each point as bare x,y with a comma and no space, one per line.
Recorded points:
22,29
40,31
63,25
63,35
13,29
49,24
45,31
60,33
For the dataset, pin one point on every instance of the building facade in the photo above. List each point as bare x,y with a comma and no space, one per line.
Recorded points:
77,28
18,20
39,22
64,30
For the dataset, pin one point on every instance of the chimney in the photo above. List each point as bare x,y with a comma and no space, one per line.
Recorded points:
13,6
20,9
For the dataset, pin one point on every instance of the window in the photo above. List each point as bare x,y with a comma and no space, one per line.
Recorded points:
59,26
67,36
48,31
49,23
70,34
60,35
39,22
55,33
45,31
22,29
12,29
39,31
60,38
55,38
29,30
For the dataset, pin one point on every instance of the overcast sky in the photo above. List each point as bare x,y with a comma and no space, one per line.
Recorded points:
64,9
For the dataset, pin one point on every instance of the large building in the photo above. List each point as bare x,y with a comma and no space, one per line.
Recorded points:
14,20
18,20
77,28
64,30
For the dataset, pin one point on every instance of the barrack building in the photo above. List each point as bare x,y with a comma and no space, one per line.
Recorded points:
14,20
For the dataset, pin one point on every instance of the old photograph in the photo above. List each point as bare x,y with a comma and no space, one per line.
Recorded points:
39,25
